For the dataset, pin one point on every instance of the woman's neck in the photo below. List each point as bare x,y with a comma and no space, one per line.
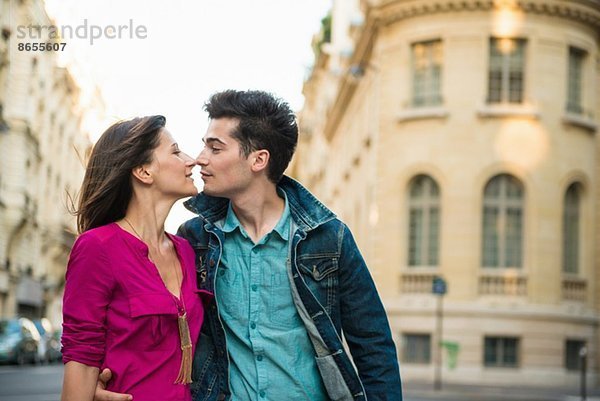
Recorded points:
146,219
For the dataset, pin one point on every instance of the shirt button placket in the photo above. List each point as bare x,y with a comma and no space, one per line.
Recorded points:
256,312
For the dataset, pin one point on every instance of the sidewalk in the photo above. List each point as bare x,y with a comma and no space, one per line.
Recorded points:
462,392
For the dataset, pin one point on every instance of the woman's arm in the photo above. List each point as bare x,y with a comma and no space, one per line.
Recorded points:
89,283
79,383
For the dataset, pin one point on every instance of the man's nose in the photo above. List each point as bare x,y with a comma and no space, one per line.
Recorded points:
201,160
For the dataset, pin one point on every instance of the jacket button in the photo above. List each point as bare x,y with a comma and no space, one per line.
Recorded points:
211,263
221,397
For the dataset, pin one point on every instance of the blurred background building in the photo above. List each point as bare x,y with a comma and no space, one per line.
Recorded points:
43,141
459,139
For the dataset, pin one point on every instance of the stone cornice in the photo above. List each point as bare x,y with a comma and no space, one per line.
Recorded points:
583,11
360,61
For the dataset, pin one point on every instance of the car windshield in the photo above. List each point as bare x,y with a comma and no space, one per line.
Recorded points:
9,327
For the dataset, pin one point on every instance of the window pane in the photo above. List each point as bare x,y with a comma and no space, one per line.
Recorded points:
495,87
490,237
426,65
509,358
515,87
433,236
571,230
506,70
417,187
513,187
574,81
416,348
424,221
513,238
502,242
415,237
490,350
501,352
492,189
572,358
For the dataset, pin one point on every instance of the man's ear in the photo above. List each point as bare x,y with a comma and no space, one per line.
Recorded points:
143,174
260,160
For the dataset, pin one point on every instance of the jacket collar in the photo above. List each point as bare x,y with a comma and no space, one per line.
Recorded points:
307,211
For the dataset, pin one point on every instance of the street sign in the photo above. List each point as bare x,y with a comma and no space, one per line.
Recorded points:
439,286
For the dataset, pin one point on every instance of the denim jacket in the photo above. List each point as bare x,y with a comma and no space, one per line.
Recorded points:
333,292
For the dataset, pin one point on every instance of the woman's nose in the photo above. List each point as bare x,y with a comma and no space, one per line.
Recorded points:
189,160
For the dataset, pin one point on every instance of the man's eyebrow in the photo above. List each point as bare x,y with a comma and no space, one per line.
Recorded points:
211,140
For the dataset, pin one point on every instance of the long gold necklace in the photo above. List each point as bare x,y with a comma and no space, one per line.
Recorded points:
185,370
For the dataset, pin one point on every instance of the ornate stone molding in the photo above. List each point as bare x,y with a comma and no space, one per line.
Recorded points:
584,11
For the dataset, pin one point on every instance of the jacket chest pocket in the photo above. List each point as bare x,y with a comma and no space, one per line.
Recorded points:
154,322
321,276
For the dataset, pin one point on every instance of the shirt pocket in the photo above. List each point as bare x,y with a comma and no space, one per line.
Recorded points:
282,310
154,322
232,296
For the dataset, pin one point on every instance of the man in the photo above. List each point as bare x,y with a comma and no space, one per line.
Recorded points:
288,278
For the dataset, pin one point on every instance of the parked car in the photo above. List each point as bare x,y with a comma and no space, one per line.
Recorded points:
54,346
44,327
19,340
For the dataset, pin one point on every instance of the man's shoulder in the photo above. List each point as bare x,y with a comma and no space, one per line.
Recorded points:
334,225
193,230
328,234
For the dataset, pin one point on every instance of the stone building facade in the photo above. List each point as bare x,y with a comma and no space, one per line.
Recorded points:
459,140
43,143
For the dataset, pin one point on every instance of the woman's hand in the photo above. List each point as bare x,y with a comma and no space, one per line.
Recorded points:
104,395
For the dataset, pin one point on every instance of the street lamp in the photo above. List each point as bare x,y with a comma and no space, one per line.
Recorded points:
583,356
439,288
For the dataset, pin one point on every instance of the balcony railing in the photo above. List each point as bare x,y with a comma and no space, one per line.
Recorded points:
503,284
416,282
574,289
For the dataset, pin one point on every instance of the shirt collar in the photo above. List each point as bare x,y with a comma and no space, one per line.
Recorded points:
282,227
231,221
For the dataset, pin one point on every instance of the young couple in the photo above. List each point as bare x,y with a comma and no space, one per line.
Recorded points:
263,296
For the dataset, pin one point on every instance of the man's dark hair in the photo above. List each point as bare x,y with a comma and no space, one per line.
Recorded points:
265,122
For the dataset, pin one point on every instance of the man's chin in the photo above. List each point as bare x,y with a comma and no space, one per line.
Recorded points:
209,192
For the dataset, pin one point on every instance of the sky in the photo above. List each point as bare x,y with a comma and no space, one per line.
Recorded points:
182,51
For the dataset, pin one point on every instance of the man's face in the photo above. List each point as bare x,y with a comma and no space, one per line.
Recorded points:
224,169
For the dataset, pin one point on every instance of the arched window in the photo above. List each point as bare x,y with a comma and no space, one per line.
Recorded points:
571,218
502,244
424,222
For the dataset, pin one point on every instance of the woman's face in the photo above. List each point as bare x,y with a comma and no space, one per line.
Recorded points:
172,169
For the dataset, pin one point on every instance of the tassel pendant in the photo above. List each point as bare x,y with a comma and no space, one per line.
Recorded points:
185,371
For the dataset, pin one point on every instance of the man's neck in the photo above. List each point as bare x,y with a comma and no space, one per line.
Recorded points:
258,210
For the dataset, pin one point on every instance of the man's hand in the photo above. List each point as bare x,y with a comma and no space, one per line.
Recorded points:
102,394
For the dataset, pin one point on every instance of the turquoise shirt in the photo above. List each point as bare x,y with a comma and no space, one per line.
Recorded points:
271,357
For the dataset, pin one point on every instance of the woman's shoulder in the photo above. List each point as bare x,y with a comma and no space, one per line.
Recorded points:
97,236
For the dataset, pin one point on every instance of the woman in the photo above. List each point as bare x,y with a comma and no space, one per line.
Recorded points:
130,301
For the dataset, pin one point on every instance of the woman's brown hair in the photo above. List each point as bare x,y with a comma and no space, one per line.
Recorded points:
107,187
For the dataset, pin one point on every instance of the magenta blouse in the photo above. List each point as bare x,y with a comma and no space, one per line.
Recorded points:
118,313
